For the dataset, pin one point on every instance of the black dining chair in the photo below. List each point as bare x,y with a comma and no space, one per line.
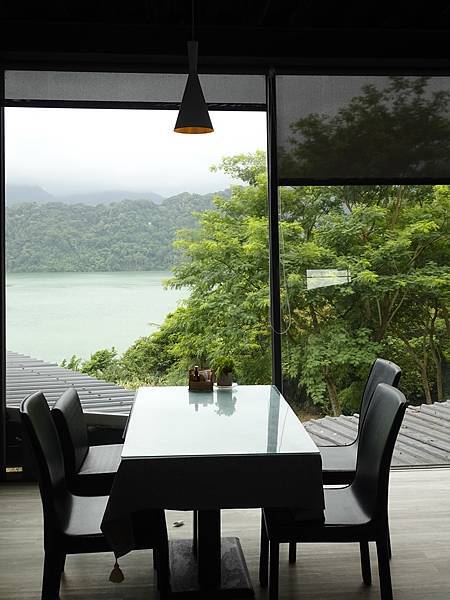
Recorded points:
339,462
90,470
71,522
354,513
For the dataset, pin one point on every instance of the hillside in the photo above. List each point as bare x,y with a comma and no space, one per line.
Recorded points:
132,235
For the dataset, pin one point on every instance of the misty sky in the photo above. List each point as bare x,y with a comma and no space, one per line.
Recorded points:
80,150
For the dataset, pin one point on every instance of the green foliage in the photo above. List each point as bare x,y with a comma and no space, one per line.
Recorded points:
100,362
332,351
393,240
246,167
132,235
350,397
222,365
73,363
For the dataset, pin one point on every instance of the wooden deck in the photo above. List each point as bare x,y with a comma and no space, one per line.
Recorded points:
25,375
424,438
420,527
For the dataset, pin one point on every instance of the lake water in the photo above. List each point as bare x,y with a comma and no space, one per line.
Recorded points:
52,316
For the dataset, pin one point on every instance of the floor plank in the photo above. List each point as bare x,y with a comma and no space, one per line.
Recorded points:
420,527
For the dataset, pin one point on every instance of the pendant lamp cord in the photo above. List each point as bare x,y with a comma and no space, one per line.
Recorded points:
192,19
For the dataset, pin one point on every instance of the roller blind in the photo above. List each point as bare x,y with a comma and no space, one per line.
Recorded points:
129,87
372,128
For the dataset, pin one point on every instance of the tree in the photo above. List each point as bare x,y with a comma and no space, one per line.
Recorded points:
391,240
401,130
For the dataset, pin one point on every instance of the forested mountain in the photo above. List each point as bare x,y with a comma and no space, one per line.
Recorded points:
132,235
109,196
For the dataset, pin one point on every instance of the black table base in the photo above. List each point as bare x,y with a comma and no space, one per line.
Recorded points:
235,580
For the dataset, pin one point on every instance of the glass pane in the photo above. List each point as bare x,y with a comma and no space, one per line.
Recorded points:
128,258
363,128
366,274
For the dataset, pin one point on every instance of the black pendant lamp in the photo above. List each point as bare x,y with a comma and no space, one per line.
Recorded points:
193,116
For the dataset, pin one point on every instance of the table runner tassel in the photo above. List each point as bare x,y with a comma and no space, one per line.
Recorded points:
117,575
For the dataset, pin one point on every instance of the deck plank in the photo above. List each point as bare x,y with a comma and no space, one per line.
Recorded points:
420,530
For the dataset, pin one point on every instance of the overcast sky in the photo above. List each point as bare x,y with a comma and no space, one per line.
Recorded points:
80,150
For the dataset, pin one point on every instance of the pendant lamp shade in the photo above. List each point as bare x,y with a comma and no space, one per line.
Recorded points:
193,116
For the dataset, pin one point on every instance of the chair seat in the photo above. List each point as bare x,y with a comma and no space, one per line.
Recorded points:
84,515
97,472
102,459
338,463
342,509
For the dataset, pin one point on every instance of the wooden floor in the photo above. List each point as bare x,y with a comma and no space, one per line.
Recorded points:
420,527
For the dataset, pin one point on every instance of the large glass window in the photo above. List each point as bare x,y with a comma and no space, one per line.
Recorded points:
365,274
134,252
364,249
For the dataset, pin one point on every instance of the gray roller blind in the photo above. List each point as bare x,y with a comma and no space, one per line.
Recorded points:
372,128
129,87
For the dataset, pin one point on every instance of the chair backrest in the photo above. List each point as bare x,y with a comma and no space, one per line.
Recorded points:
69,420
382,371
40,428
376,445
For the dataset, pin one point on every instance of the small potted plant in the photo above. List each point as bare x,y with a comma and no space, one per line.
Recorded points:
223,370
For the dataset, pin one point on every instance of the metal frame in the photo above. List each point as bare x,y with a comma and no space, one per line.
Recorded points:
274,234
328,66
296,65
3,286
299,181
273,219
99,104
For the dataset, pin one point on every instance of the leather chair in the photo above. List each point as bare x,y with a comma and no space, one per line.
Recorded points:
339,462
71,522
355,513
90,470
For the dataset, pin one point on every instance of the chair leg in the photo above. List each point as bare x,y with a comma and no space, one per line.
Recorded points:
52,575
263,555
161,555
384,569
274,566
365,563
195,532
292,552
389,542
156,567
63,561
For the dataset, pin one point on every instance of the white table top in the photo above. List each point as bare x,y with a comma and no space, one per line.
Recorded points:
246,420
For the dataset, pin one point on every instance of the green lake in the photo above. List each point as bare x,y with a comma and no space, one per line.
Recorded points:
52,316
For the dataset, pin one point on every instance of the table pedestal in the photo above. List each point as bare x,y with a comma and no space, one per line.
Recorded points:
234,578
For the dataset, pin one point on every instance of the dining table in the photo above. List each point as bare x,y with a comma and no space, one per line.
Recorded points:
236,447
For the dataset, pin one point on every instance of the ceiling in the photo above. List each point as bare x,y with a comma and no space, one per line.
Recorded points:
248,33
